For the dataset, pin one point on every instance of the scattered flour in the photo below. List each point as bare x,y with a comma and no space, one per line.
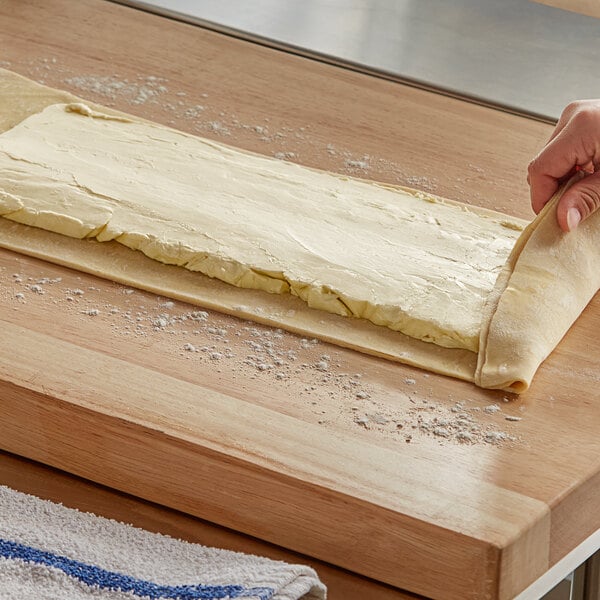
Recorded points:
360,164
218,127
285,155
139,91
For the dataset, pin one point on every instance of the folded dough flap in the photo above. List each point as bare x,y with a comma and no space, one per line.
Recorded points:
548,280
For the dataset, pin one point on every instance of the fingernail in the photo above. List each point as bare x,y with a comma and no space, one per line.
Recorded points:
573,218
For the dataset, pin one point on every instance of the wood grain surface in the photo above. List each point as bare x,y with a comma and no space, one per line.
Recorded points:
416,480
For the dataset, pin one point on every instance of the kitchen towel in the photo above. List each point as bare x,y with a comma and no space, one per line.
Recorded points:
48,551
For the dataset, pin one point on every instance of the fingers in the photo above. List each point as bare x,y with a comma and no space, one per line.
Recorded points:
580,201
549,168
575,143
541,188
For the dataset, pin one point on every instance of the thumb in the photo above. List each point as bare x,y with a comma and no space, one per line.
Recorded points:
579,202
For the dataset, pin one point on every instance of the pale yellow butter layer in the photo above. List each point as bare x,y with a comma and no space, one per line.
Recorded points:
405,261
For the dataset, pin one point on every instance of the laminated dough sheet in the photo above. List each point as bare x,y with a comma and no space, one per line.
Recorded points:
406,276
548,280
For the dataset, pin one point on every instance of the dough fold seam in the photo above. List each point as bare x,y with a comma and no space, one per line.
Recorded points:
549,278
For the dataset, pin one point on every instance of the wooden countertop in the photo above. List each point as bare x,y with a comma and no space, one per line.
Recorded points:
359,466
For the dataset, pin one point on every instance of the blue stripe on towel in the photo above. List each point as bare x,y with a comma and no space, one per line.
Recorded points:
95,576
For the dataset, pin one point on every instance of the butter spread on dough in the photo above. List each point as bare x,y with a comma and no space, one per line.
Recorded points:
406,261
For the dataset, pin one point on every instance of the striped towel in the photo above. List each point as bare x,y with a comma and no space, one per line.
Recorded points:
49,552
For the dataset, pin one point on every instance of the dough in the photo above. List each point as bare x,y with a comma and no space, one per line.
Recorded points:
544,283
547,281
401,260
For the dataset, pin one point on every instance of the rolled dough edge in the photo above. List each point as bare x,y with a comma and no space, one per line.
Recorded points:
548,280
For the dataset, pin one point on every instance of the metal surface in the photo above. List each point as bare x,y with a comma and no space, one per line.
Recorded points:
519,55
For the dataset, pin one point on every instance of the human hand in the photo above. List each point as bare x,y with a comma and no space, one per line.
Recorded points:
573,146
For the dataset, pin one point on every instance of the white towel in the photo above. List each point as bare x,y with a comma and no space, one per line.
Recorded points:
51,552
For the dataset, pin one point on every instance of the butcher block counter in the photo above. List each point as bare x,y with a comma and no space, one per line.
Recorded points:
416,481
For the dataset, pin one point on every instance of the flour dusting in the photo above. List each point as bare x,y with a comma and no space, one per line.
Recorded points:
310,375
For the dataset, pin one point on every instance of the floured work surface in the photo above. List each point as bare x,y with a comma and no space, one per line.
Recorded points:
403,261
